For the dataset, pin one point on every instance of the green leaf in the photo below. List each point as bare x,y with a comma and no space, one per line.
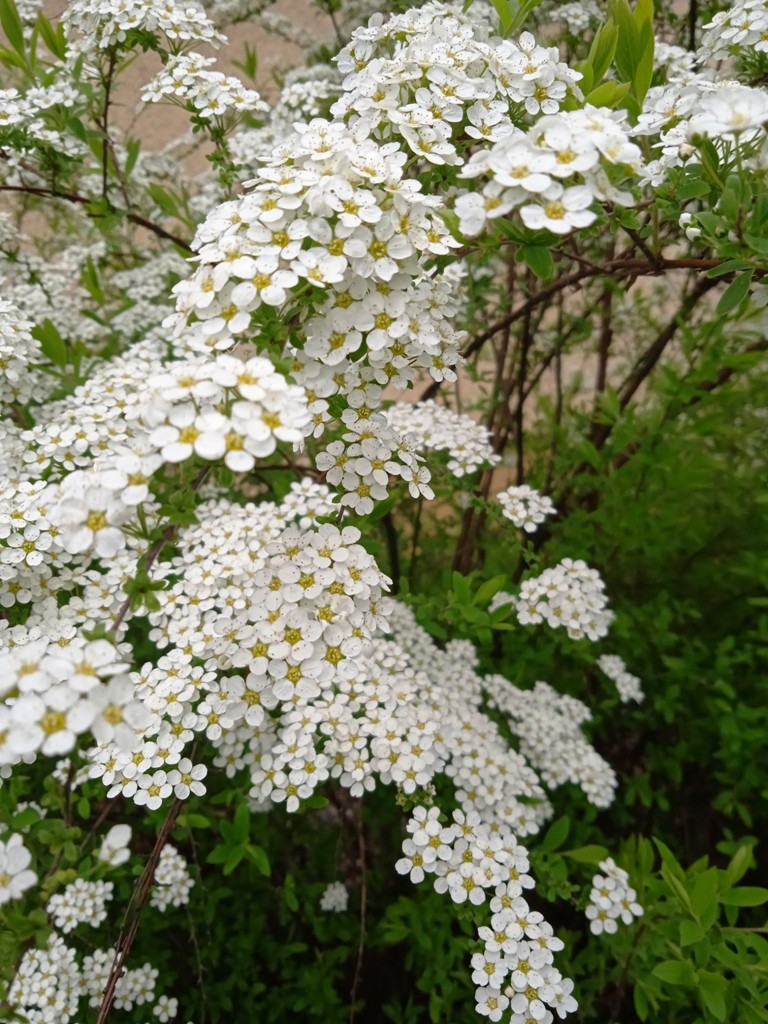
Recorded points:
696,189
690,932
164,200
234,856
52,344
704,894
734,294
740,864
25,818
728,267
675,972
259,857
539,259
745,896
53,38
556,834
461,589
713,989
602,52
587,854
12,26
193,821
489,589
133,148
609,94
642,1007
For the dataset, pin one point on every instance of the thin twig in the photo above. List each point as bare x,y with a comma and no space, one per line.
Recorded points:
138,901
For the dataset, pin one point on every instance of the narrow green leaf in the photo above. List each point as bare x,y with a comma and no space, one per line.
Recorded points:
745,896
734,294
587,854
12,26
53,38
740,864
259,857
713,989
52,344
488,589
556,834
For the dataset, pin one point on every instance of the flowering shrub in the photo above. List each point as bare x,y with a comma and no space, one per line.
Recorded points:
252,424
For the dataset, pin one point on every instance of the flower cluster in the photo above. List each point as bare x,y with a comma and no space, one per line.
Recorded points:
173,882
434,427
570,595
473,863
18,350
107,25
743,27
548,726
335,898
525,507
222,409
187,81
81,902
611,900
553,173
628,686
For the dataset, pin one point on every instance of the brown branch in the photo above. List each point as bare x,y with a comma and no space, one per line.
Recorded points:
75,197
138,901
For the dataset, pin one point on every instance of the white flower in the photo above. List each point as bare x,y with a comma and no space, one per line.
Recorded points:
563,210
114,846
15,874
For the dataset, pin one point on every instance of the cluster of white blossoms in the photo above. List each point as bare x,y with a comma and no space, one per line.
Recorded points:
102,26
82,902
571,595
743,27
553,173
316,291
16,875
432,427
548,726
172,882
187,81
335,898
611,900
628,686
472,862
525,507
18,349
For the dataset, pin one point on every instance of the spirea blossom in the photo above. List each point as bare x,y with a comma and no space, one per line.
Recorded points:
569,595
628,686
612,900
525,507
82,902
335,898
173,882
